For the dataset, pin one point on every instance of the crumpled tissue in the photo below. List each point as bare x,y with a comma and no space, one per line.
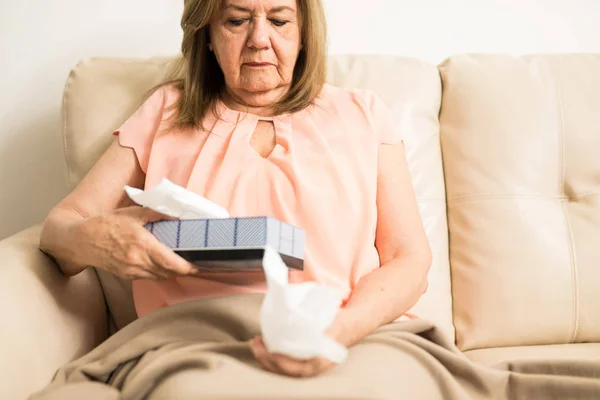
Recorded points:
175,201
293,316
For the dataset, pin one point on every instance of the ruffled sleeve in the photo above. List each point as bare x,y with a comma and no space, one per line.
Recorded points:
139,130
382,120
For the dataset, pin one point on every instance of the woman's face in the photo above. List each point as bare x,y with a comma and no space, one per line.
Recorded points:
256,43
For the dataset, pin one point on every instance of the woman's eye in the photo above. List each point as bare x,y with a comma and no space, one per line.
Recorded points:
278,22
236,22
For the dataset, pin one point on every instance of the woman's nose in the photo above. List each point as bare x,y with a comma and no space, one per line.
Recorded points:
259,35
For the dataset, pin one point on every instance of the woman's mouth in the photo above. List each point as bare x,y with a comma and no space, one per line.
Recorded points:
257,64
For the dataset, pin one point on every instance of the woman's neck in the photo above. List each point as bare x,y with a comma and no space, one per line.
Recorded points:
257,103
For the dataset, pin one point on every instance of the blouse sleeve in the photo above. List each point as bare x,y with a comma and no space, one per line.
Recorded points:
138,131
382,121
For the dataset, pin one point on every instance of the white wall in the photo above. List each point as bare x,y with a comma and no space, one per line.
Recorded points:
40,40
435,29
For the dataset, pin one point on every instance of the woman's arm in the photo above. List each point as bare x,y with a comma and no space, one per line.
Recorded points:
388,292
97,224
100,191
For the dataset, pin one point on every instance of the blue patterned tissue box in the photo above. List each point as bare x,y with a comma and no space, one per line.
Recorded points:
231,244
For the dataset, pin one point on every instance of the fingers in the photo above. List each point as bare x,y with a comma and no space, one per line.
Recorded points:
262,355
130,251
133,273
142,274
161,273
292,367
166,259
165,262
281,364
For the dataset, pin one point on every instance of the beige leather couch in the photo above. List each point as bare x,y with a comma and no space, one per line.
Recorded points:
505,157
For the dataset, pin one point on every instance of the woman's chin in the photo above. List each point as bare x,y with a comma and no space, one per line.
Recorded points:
258,89
258,95
256,85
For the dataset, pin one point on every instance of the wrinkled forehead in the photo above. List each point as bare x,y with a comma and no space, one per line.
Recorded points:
260,5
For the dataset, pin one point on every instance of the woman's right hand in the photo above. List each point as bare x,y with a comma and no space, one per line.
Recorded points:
118,243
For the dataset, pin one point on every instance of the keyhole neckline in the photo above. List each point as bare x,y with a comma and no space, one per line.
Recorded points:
253,129
241,125
234,115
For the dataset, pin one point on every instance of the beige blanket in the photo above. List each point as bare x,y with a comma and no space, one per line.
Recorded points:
198,350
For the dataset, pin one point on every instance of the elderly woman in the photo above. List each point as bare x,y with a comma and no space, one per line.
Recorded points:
252,126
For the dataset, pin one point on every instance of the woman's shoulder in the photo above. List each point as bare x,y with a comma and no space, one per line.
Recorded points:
359,107
164,97
157,101
161,105
351,100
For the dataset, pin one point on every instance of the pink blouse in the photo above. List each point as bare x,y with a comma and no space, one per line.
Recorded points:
321,177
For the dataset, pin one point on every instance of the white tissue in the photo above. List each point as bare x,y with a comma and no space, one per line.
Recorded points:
175,201
293,317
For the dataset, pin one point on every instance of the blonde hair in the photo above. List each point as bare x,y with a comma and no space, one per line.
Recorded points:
198,76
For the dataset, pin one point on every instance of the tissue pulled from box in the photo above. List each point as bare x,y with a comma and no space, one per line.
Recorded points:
175,201
293,317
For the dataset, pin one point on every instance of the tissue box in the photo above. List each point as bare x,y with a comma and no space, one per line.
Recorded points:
231,244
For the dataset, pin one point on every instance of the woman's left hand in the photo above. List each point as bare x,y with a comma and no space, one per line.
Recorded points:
282,364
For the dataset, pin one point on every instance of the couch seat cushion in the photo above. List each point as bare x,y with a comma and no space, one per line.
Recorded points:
577,351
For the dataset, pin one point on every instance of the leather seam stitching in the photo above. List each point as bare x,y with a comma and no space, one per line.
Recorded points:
65,134
500,196
572,256
586,195
430,198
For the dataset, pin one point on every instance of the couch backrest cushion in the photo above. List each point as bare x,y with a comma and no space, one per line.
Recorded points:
521,144
102,93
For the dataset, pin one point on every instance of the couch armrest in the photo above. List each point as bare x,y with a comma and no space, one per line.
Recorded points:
46,318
